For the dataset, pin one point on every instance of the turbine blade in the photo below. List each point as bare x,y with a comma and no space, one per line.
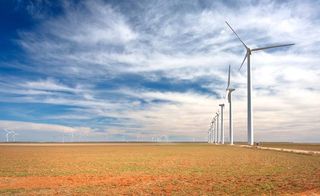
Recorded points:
236,35
245,57
272,46
227,94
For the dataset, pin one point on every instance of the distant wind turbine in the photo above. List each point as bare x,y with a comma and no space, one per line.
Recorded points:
7,134
249,84
212,130
14,134
229,91
213,138
209,135
217,130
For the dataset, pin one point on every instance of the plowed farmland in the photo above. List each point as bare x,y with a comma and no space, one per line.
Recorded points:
154,169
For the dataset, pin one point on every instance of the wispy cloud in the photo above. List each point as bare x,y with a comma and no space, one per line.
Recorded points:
160,67
28,126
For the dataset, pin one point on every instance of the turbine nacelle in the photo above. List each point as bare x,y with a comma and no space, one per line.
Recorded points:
230,90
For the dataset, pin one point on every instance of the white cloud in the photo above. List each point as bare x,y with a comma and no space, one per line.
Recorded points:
47,85
97,23
29,126
96,42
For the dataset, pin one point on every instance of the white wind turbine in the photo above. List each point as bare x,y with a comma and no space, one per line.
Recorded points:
249,84
212,131
7,134
209,133
217,128
14,134
229,91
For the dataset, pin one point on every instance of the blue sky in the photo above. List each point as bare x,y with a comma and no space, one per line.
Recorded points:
128,70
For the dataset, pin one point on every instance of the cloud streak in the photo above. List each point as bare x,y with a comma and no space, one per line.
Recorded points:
160,67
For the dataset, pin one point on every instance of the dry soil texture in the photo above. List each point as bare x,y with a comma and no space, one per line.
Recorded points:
154,169
298,146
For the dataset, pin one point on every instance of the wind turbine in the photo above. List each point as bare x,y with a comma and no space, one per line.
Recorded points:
214,132
229,91
222,124
217,130
7,134
14,136
249,84
209,135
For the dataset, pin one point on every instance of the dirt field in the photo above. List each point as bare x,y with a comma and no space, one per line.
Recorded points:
298,146
151,169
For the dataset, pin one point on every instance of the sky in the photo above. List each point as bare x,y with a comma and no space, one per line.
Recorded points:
156,70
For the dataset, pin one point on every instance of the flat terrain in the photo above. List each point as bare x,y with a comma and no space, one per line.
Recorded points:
154,169
298,146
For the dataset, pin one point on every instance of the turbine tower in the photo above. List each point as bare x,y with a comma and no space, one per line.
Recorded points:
14,136
7,134
229,91
222,125
217,130
214,131
249,84
211,132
